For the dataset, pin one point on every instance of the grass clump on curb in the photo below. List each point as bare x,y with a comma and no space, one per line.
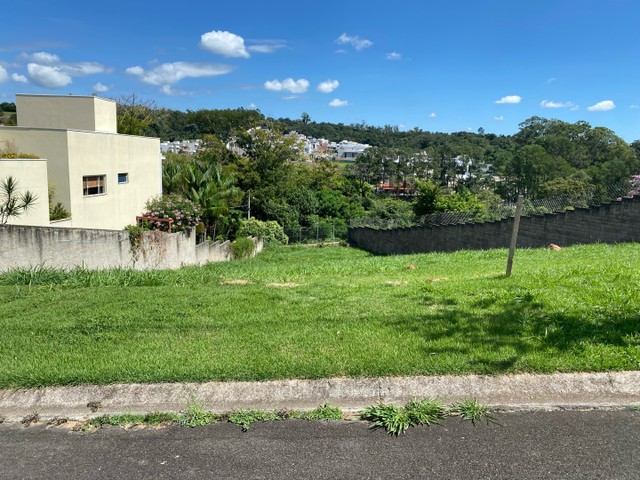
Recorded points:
244,418
323,412
470,409
196,416
396,420
128,420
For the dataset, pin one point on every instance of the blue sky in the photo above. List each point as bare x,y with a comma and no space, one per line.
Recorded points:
438,65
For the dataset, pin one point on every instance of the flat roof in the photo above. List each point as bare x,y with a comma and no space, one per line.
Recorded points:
62,96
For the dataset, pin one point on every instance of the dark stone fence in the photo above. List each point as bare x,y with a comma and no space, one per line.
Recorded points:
616,222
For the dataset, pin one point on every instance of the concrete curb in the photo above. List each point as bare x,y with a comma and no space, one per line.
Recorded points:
515,392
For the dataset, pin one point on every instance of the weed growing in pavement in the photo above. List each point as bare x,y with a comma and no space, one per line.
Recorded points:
132,419
196,416
323,412
244,418
636,407
470,409
425,412
396,420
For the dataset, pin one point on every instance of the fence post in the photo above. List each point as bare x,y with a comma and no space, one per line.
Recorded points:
514,234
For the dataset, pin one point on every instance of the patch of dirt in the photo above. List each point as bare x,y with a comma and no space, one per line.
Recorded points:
236,282
395,284
411,267
435,279
57,421
284,285
73,425
321,244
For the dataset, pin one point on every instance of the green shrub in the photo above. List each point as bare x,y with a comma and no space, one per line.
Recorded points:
271,231
242,248
58,212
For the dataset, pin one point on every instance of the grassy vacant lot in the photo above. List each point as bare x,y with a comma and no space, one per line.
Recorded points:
318,312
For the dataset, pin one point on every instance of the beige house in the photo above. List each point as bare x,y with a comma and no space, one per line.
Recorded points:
103,178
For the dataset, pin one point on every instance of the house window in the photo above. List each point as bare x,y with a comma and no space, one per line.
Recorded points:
123,178
93,185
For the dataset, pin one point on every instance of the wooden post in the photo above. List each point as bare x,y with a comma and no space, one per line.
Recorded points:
514,234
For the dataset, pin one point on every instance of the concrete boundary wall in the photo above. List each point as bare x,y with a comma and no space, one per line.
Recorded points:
616,222
67,248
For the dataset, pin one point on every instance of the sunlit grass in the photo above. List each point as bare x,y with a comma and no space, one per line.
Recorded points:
301,312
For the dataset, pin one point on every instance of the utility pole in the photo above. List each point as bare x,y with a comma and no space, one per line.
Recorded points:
249,207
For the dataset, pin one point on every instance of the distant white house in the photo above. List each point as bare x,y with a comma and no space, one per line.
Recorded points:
189,147
348,151
103,178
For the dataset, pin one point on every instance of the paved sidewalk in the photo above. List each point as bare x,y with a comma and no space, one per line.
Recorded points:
510,392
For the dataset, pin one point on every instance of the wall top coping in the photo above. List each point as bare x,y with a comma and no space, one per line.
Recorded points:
93,132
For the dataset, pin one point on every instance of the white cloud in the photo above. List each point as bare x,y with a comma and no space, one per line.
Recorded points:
266,47
46,76
499,118
433,115
634,106
170,73
552,104
100,88
510,99
336,102
252,106
169,90
328,86
137,70
16,77
222,43
602,106
43,58
393,56
289,84
355,41
48,70
4,76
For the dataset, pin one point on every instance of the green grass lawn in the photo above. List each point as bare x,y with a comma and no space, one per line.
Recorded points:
310,312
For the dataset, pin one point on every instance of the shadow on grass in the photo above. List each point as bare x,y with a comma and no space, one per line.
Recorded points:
499,333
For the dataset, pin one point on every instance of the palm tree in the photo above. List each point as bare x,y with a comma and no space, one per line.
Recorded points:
12,203
213,191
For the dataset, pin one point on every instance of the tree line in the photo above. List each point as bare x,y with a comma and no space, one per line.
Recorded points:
269,174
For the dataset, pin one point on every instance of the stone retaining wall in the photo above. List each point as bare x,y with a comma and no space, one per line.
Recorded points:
27,247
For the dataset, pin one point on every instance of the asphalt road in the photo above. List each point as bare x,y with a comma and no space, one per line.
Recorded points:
528,445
